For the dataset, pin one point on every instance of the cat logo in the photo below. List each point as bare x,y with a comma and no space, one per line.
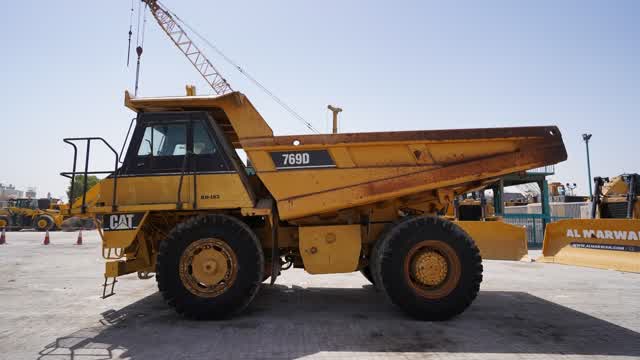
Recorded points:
116,222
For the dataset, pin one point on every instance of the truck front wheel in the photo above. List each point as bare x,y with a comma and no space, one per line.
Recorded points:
210,267
429,267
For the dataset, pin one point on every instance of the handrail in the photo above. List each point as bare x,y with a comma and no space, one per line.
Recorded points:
72,175
124,143
184,169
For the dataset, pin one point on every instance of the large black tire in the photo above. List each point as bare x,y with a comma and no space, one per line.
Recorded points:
427,236
44,223
5,222
374,263
248,270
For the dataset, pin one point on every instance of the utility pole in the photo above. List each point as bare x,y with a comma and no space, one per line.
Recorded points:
586,138
335,111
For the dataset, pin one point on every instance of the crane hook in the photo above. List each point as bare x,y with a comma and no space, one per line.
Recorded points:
139,52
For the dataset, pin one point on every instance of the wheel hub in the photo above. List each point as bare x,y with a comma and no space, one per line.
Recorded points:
208,267
432,268
42,223
429,268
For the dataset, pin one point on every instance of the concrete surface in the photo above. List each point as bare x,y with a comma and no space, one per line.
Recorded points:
49,309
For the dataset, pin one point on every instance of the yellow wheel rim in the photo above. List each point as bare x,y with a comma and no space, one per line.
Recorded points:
3,223
429,268
432,269
208,267
42,223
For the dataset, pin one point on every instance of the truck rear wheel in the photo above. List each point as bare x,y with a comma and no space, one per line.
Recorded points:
429,267
44,223
210,267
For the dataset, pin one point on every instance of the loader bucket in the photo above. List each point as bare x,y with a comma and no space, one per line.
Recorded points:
497,240
598,243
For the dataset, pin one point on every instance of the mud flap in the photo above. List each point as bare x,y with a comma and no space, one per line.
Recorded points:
598,243
497,240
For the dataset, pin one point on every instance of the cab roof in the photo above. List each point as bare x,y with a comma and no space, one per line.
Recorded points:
233,112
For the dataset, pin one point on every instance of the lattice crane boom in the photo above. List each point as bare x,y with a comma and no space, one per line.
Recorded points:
183,42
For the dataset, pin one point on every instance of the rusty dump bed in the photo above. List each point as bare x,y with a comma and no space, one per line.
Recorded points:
364,168
315,174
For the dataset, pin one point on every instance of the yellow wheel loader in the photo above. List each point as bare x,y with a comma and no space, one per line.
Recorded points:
30,213
495,239
610,239
182,205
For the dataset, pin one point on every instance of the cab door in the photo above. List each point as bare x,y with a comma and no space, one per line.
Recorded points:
156,160
177,158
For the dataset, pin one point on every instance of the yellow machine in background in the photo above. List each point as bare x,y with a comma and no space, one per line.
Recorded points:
30,213
611,239
471,207
496,239
557,189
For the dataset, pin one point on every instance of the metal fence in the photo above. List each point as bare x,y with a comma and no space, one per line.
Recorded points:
534,223
531,217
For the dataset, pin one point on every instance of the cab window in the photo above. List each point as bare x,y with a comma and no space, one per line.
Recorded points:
161,148
202,142
164,140
207,155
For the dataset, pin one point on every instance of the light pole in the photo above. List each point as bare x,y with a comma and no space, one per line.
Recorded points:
586,138
336,111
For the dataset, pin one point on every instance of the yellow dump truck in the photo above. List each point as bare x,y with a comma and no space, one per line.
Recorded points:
183,206
610,239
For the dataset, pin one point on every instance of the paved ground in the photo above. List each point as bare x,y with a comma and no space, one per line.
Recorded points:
49,309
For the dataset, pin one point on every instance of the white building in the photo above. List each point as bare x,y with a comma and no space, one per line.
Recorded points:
9,192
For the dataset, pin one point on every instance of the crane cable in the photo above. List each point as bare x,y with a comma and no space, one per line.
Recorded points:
144,23
275,98
139,44
130,33
138,25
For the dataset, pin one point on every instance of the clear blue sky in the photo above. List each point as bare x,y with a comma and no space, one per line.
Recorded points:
398,65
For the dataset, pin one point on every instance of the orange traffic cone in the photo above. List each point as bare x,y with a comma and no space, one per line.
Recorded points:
79,241
46,238
3,237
